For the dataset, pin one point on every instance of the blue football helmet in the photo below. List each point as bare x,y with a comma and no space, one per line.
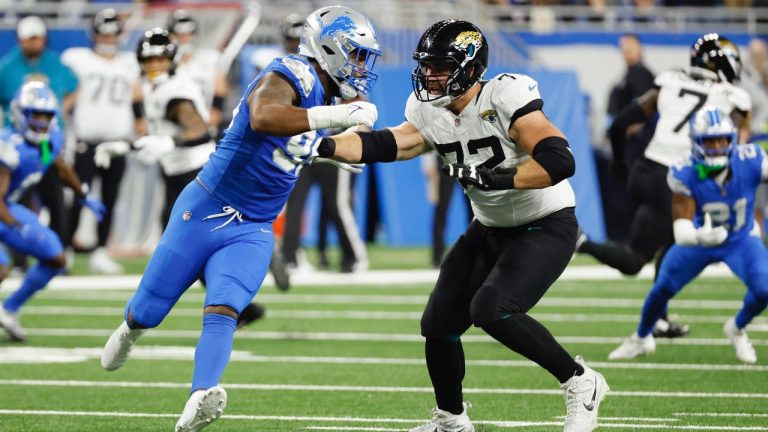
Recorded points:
35,98
330,35
707,123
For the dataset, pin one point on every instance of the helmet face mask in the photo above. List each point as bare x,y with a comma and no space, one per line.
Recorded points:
345,45
714,136
34,110
451,57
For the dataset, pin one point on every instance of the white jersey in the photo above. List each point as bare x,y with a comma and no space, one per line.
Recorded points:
104,95
202,68
479,135
679,97
156,101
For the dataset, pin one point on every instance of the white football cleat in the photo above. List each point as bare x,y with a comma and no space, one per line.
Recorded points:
202,409
101,263
744,350
444,421
633,347
583,394
119,345
10,322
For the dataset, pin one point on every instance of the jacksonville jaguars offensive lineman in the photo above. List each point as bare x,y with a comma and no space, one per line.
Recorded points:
712,207
28,149
514,164
220,226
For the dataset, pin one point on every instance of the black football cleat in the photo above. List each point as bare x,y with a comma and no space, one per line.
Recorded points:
670,329
251,313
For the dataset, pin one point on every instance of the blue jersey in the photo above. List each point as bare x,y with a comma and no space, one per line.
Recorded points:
732,204
255,172
24,160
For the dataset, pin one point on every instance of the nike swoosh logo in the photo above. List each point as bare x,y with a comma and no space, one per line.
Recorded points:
531,87
357,108
591,405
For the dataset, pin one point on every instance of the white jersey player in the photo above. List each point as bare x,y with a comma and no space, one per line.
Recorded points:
176,117
107,115
202,65
514,163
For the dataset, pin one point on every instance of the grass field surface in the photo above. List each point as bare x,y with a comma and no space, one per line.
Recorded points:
347,356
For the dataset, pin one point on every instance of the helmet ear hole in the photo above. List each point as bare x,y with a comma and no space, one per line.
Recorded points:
328,50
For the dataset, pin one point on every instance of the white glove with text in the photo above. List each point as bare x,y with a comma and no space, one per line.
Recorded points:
342,116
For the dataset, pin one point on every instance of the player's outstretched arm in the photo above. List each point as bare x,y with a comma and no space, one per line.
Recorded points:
637,112
401,142
69,177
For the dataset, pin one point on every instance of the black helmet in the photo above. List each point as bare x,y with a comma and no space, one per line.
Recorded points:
156,43
709,60
460,45
106,22
181,22
734,57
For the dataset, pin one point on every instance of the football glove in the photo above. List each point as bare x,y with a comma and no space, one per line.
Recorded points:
481,177
152,148
95,205
354,168
105,151
709,236
342,116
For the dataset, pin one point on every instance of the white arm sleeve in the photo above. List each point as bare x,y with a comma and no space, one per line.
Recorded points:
685,233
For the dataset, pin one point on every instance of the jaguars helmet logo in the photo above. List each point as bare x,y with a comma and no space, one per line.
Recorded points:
469,42
489,115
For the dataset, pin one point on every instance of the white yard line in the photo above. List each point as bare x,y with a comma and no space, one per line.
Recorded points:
759,324
371,277
373,389
500,423
688,414
15,355
369,337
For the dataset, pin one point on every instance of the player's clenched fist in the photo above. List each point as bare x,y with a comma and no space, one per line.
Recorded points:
342,116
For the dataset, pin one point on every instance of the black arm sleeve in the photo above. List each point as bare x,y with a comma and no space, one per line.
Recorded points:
554,155
618,131
378,146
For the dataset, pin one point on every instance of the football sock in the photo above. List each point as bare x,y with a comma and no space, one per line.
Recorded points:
654,308
753,306
619,256
526,336
213,350
36,279
445,362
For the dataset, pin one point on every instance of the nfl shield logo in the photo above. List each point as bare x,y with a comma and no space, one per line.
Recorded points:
187,215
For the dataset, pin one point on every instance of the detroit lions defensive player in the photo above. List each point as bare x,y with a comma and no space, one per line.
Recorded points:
27,150
712,207
220,226
514,164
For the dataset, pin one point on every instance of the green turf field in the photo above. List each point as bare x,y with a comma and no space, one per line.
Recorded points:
349,358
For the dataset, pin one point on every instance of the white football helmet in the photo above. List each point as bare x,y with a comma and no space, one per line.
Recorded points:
707,123
330,35
35,97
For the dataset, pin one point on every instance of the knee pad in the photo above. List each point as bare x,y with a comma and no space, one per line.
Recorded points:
441,326
148,309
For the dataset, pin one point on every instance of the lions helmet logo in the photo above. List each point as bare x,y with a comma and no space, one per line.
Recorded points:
342,23
469,42
489,115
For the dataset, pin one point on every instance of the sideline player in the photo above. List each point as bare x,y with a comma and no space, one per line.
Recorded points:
514,164
220,226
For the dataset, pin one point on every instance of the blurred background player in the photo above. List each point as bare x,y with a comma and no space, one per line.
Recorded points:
108,112
33,60
221,224
713,202
675,98
27,149
200,64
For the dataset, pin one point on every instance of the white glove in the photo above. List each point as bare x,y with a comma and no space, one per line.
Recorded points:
342,116
152,148
354,168
105,151
709,236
